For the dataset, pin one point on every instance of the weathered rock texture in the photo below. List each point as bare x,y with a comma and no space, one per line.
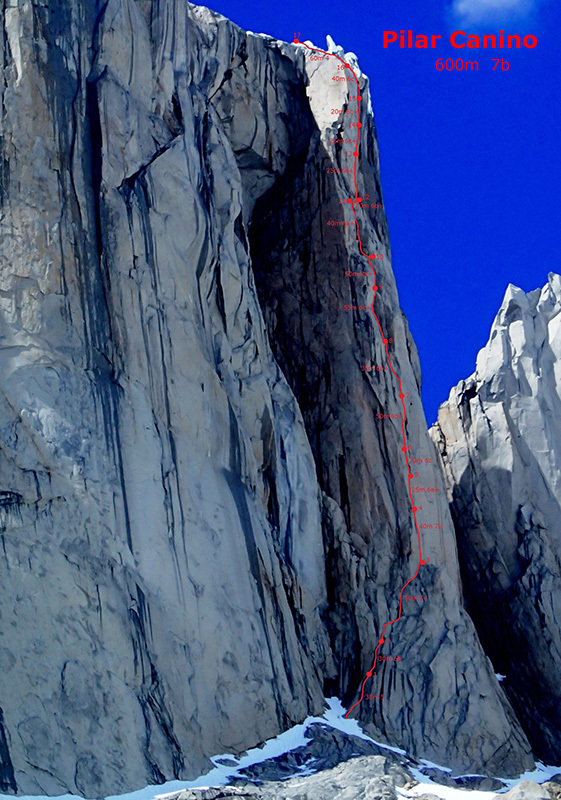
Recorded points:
203,532
365,778
499,436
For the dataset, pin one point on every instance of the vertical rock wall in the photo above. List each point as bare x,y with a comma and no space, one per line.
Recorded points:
498,436
203,524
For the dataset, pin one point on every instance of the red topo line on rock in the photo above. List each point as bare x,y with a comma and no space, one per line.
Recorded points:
370,259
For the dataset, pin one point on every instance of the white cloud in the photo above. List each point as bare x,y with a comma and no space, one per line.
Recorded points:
481,10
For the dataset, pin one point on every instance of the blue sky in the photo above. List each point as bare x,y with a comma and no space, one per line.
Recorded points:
470,162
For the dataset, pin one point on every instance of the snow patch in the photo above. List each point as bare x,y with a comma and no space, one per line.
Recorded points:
227,766
539,775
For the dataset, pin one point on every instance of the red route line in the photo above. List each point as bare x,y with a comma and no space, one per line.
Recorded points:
385,342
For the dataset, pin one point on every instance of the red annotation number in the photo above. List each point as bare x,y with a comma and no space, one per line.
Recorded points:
457,64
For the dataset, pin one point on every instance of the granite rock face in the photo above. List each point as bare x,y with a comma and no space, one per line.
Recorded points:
203,522
499,438
362,778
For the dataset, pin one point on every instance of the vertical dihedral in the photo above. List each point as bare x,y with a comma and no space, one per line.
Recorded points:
92,114
7,778
158,719
302,253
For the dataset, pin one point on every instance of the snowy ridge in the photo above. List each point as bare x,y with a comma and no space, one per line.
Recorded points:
334,716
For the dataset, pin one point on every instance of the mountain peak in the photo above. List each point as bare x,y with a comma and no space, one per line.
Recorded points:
499,438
